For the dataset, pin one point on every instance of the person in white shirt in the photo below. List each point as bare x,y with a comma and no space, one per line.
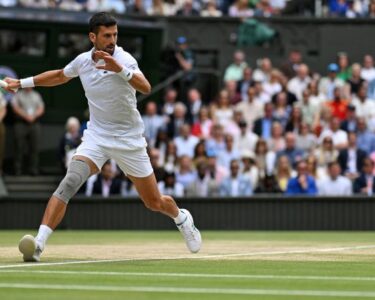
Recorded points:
186,142
364,107
153,123
368,70
335,184
299,83
339,136
110,77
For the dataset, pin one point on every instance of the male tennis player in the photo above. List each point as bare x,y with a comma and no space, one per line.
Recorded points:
110,77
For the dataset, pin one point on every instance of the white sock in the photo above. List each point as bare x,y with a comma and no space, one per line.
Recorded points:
43,235
181,217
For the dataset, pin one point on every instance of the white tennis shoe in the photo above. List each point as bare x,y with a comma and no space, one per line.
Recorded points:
190,233
30,249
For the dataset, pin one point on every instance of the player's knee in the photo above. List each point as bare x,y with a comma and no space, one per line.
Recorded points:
77,174
154,204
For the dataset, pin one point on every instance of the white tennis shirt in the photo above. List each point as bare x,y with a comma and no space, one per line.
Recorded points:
112,102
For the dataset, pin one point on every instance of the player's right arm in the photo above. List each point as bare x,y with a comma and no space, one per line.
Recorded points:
49,78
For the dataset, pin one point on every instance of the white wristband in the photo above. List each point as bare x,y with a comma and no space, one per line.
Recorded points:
27,82
125,74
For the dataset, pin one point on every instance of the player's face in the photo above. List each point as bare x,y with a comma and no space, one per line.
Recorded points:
105,39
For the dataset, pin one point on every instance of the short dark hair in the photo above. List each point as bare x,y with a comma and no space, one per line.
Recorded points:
101,19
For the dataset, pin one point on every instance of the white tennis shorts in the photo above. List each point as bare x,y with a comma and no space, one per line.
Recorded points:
129,153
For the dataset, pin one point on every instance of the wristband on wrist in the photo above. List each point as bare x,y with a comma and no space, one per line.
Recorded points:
27,82
125,74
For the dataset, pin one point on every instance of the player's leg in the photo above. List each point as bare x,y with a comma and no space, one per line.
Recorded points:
78,171
148,191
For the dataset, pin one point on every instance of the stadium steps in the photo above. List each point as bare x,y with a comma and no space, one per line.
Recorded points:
21,185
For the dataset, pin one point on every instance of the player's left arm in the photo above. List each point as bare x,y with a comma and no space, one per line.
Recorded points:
136,79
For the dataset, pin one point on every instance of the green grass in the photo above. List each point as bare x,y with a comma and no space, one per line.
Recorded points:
338,273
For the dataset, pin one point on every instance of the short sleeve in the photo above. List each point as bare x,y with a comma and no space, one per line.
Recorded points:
130,63
71,70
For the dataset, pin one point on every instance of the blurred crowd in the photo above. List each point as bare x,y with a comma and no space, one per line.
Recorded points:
271,129
207,8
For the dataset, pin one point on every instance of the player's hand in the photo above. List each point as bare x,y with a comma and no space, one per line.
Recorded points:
110,63
13,84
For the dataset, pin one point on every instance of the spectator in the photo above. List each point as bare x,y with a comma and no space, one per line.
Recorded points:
326,153
105,184
127,187
339,136
152,122
203,185
136,8
309,110
355,80
154,159
263,72
277,141
345,70
338,106
194,105
328,84
233,96
371,10
364,107
235,70
260,95
3,111
177,120
185,173
69,142
161,144
73,5
170,157
228,154
28,106
313,169
338,8
245,83
216,172
283,172
263,126
365,138
187,9
300,82
233,127
289,68
216,142
235,185
162,8
202,127
169,186
268,185
170,97
251,109
291,98
273,86
265,159
351,159
211,10
263,9
249,167
316,98
186,142
291,151
246,139
302,184
185,60
350,123
365,184
335,184
222,111
240,9
200,152
368,70
305,140
282,110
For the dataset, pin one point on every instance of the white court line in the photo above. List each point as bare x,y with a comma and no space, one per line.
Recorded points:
148,289
306,251
194,275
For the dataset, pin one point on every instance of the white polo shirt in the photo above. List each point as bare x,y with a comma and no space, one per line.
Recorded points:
112,102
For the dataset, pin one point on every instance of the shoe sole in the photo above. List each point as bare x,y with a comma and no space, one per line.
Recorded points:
27,247
188,214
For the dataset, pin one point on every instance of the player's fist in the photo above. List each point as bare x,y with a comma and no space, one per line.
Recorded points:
13,84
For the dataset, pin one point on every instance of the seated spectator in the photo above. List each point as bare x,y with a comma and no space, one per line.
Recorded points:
339,136
345,71
235,185
187,9
154,159
249,167
263,126
235,70
216,142
136,7
203,185
152,122
162,8
263,73
186,142
309,110
318,172
338,106
246,82
335,184
265,159
194,105
289,68
240,9
233,96
169,186
211,10
295,120
200,152
161,144
233,127
355,80
185,173
273,86
69,142
221,111
326,153
316,98
105,183
305,139
328,84
251,109
291,98
74,5
365,183
229,154
246,140
176,121
302,184
170,100
260,95
364,106
300,82
365,138
283,172
263,9
351,158
202,127
170,161
322,120
268,185
127,187
282,110
368,69
338,8
277,141
291,151
350,123
216,172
